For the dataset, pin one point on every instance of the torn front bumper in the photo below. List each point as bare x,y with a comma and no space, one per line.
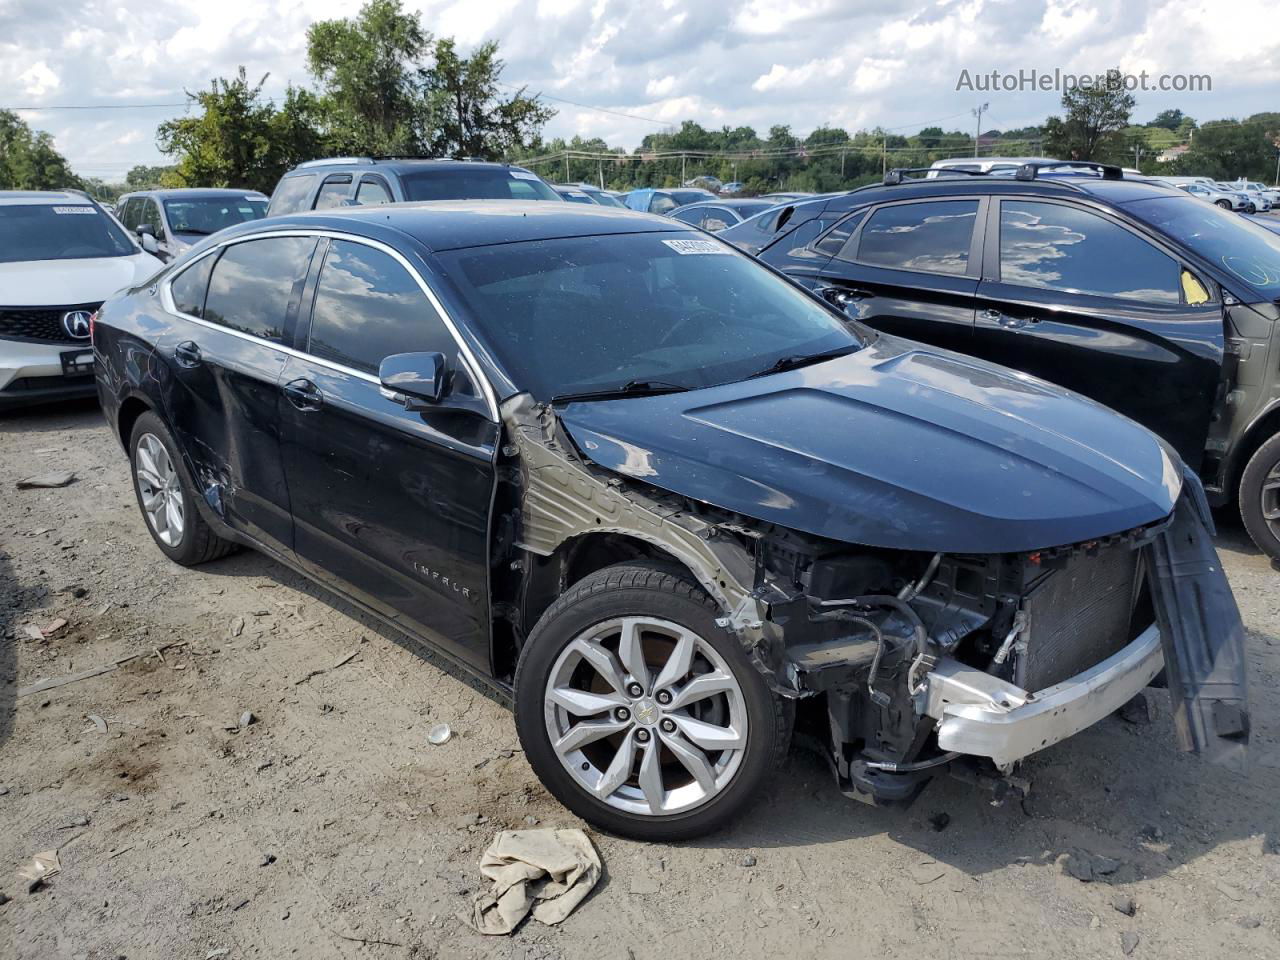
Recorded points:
984,716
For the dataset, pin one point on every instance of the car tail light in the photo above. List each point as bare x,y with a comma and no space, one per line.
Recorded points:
92,319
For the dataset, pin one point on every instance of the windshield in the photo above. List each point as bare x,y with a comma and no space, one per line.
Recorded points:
211,214
677,310
606,200
46,231
476,183
1243,248
682,197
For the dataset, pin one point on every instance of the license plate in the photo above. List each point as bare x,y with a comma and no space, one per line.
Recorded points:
76,363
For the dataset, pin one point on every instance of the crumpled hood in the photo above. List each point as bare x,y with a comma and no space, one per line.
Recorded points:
897,446
40,283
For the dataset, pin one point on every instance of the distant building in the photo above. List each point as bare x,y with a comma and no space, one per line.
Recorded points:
1173,153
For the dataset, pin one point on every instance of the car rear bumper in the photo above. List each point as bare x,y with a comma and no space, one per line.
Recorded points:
33,373
984,716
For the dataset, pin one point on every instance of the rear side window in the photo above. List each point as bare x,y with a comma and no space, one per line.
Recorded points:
333,191
662,203
933,237
253,283
291,194
372,192
189,287
1059,247
368,307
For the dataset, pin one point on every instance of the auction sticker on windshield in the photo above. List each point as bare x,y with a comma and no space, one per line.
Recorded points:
523,174
88,210
686,247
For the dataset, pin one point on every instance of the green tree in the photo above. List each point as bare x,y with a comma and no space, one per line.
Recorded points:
372,76
144,177
1228,149
471,117
238,139
1095,115
29,160
1169,119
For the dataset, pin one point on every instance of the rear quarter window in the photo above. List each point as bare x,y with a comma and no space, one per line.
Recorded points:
189,287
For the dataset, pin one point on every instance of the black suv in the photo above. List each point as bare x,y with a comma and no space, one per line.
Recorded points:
1150,301
365,181
668,501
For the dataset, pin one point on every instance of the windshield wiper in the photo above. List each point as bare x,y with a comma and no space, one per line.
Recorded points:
792,361
194,230
632,388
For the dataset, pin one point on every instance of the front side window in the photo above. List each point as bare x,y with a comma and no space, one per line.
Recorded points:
676,309
205,215
690,215
662,203
933,237
368,307
291,194
466,182
253,283
131,216
151,217
188,288
50,231
1058,247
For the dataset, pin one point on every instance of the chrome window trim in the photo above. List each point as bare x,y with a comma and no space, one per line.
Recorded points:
468,358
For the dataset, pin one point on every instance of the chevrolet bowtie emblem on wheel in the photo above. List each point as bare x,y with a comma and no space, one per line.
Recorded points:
647,712
76,323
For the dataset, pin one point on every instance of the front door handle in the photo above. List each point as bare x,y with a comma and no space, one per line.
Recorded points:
303,394
1002,320
844,296
187,353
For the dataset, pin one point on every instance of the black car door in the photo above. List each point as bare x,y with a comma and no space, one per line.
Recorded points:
390,506
909,268
1084,300
233,311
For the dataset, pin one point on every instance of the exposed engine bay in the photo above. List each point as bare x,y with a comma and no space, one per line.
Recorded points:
900,662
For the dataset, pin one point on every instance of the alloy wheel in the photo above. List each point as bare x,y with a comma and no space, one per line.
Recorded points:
646,716
160,489
1271,499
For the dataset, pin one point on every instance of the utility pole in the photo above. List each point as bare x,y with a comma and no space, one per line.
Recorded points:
566,166
978,112
841,164
600,165
1137,155
1278,166
884,155
683,171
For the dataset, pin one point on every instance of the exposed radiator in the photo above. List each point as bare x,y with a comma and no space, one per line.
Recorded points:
1078,616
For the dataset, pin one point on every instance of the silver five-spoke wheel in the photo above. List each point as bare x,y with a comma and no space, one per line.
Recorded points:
1271,499
646,715
160,489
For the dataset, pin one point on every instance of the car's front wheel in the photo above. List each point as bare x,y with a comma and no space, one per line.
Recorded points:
1224,204
639,712
1260,497
166,497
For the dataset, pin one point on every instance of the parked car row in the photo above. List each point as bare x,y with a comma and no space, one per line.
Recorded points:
679,495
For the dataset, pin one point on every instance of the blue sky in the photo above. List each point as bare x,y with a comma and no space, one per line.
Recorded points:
758,62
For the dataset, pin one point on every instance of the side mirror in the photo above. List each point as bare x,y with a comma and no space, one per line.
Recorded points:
414,379
148,242
145,230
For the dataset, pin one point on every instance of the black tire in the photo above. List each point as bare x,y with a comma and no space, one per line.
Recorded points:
198,543
640,590
1265,461
1224,204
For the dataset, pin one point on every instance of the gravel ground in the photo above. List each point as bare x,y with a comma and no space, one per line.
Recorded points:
330,827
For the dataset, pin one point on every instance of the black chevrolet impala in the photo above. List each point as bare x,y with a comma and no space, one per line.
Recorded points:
670,502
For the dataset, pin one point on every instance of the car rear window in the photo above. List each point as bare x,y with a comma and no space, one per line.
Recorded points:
291,194
205,215
70,231
476,183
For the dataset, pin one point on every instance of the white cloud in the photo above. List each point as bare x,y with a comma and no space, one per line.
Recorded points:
752,62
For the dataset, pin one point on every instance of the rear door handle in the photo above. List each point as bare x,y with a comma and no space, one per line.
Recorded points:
187,353
303,394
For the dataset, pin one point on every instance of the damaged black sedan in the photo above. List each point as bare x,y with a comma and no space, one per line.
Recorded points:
669,501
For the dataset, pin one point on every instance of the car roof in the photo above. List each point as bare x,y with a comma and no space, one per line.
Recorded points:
49,197
396,165
191,193
453,224
1109,191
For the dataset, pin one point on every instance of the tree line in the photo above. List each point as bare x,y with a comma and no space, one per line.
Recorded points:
384,86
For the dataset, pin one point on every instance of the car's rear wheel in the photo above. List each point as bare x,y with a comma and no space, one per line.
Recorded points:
639,713
166,497
1260,497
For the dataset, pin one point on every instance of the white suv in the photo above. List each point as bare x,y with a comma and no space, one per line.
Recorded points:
61,255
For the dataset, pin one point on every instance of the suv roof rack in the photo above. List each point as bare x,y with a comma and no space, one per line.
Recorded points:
330,161
899,174
1031,171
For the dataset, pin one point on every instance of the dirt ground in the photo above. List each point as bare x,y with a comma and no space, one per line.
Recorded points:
331,827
